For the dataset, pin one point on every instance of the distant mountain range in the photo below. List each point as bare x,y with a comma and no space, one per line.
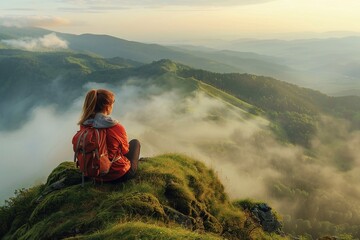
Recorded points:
327,64
330,65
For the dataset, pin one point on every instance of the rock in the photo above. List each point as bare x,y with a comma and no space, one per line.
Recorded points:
266,218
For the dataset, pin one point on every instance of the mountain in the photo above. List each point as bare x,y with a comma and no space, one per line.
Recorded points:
172,197
295,148
109,47
218,61
28,77
292,108
330,65
295,109
247,62
7,33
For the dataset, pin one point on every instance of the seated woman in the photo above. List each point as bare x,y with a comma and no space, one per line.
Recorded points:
98,105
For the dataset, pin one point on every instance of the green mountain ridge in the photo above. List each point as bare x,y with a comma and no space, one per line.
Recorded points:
329,65
172,197
291,108
294,109
284,103
109,47
28,77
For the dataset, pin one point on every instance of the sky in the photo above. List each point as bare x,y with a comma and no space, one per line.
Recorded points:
181,20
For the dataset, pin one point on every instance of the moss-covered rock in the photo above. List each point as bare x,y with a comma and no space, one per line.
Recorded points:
171,196
65,170
262,214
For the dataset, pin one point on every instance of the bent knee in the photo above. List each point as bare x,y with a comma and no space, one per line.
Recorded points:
134,142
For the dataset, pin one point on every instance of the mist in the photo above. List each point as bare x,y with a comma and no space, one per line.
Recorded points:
28,154
320,184
45,43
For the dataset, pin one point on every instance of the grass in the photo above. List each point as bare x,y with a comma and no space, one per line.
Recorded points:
172,197
229,99
146,231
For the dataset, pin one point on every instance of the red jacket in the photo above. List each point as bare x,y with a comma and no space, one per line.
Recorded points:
117,143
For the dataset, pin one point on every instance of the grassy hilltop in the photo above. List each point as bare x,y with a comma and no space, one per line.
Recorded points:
172,197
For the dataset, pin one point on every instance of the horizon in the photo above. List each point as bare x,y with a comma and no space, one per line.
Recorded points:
188,22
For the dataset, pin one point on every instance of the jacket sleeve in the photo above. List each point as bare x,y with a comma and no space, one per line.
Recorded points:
117,141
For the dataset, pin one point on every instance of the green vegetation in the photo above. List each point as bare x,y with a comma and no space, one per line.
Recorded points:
292,109
109,47
227,98
59,62
141,230
16,32
171,196
31,79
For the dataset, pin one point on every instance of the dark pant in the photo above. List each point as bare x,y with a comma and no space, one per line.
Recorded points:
133,156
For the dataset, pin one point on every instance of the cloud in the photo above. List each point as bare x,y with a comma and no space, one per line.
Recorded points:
32,21
240,149
43,145
47,42
160,3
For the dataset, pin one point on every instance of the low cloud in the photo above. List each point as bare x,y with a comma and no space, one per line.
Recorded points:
32,21
30,153
47,42
238,146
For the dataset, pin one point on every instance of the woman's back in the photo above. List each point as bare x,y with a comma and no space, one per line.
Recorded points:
98,105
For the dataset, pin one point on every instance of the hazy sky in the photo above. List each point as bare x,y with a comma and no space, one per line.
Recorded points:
176,20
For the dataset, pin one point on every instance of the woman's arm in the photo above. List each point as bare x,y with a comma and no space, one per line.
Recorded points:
117,141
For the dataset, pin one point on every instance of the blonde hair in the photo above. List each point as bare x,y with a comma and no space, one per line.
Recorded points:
96,101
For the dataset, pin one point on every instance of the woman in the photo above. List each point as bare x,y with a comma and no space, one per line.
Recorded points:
97,107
